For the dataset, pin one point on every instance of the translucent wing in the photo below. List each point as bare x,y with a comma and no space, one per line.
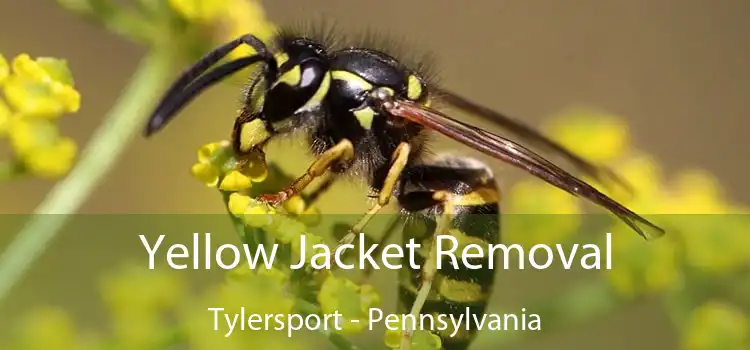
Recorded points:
519,156
530,135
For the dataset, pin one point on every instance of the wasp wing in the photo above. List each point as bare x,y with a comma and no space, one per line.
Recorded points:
519,156
531,135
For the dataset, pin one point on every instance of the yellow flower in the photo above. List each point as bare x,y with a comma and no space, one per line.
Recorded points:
294,205
258,292
714,239
540,213
48,328
643,173
135,290
207,152
291,231
595,135
421,340
238,203
137,299
41,88
206,173
215,160
287,230
274,275
4,69
235,181
6,116
252,212
38,144
716,325
244,17
54,161
199,10
714,243
696,192
640,267
353,302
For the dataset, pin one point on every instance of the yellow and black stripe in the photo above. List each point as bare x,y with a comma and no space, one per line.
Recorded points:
466,191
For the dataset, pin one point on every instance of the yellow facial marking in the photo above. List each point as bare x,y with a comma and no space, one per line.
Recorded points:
291,77
413,88
252,134
365,117
320,94
351,78
281,58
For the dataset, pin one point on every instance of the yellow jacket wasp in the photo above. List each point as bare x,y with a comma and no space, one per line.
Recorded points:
366,114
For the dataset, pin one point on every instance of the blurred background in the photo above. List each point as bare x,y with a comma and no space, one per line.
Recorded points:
675,71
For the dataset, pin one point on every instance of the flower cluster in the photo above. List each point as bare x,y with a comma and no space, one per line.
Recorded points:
232,17
217,167
154,309
717,325
709,243
37,92
706,234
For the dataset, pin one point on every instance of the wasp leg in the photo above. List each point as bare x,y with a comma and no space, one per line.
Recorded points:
398,163
453,202
312,198
368,270
342,152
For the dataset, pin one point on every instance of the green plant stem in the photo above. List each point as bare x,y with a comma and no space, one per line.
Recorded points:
97,159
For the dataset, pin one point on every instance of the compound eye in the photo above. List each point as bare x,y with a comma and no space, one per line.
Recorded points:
416,90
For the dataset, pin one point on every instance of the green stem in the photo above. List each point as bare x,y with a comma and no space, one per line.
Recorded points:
99,157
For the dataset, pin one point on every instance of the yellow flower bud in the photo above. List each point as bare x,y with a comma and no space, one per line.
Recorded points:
53,161
247,17
294,205
642,268
199,10
206,173
258,215
596,136
310,217
41,87
207,151
238,203
4,69
555,214
40,99
716,325
310,241
27,135
48,328
5,118
350,300
286,229
235,181
273,274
